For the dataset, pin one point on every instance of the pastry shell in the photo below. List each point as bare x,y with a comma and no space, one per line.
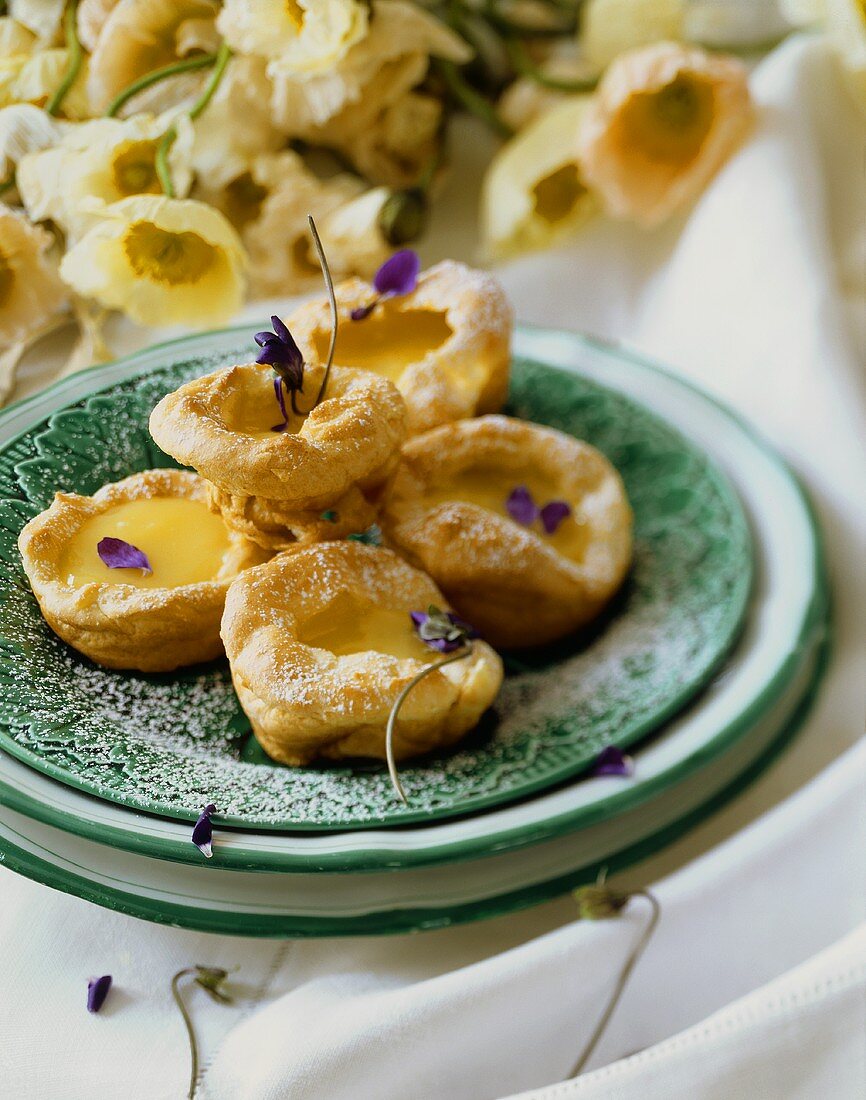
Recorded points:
306,703
350,439
120,625
462,377
506,579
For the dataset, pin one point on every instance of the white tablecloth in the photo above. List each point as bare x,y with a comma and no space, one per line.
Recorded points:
759,294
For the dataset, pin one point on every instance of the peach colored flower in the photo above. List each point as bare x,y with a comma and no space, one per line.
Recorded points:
663,121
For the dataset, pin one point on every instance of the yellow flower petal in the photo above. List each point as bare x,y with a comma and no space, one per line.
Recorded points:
30,290
15,38
534,192
663,121
610,27
161,261
306,36
847,26
41,75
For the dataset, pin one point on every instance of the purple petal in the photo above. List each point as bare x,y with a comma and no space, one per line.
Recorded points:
444,645
361,313
613,761
118,554
202,833
97,991
281,330
521,507
399,274
265,338
419,617
281,401
553,514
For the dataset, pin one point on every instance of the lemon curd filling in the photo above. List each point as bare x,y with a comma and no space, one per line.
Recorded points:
352,625
387,341
254,410
491,489
184,542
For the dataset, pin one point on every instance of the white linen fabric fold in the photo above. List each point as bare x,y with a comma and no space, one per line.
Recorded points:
758,294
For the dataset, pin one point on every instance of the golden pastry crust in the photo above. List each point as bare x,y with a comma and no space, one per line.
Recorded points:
350,439
274,527
464,376
307,703
506,579
120,625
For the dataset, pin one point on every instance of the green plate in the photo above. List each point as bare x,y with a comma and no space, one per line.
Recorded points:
167,744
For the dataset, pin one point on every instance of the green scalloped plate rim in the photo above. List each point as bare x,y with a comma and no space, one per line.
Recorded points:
816,620
675,703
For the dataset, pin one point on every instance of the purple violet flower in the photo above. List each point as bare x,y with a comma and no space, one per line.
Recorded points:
281,401
397,276
118,554
97,991
523,510
202,833
441,630
613,761
280,352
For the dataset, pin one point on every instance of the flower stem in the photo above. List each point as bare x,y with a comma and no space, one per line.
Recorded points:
189,64
472,100
190,1030
395,710
525,66
76,56
624,976
8,183
160,161
332,299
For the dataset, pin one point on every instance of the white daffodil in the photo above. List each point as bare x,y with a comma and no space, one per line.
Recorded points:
160,261
534,192
42,17
99,162
24,129
270,204
390,60
30,290
237,125
351,235
663,121
846,21
42,74
397,145
90,18
610,27
804,13
137,37
15,39
305,36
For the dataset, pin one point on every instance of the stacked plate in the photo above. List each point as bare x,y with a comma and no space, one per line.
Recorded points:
701,669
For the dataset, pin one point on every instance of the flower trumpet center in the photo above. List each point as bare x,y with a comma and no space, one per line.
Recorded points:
296,14
166,257
244,198
671,124
134,169
7,279
557,194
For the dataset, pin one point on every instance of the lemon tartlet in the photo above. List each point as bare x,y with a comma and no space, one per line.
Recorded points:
136,575
527,531
321,643
445,343
272,480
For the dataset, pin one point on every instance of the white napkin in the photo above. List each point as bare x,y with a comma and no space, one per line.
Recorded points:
748,296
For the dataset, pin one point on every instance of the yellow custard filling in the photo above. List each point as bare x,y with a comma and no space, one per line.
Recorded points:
387,341
254,410
352,625
184,543
490,489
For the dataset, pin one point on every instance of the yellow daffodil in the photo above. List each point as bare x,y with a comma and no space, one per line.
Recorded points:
386,63
610,27
663,121
534,192
98,163
305,36
804,13
351,235
237,125
137,37
397,145
160,261
41,17
30,290
90,18
42,74
846,21
15,39
24,129
269,204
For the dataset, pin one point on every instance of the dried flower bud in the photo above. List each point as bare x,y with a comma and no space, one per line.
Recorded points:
403,217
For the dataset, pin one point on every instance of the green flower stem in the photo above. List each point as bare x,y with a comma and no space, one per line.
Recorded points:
395,710
332,299
472,100
7,184
525,66
625,974
76,56
160,163
189,64
210,981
